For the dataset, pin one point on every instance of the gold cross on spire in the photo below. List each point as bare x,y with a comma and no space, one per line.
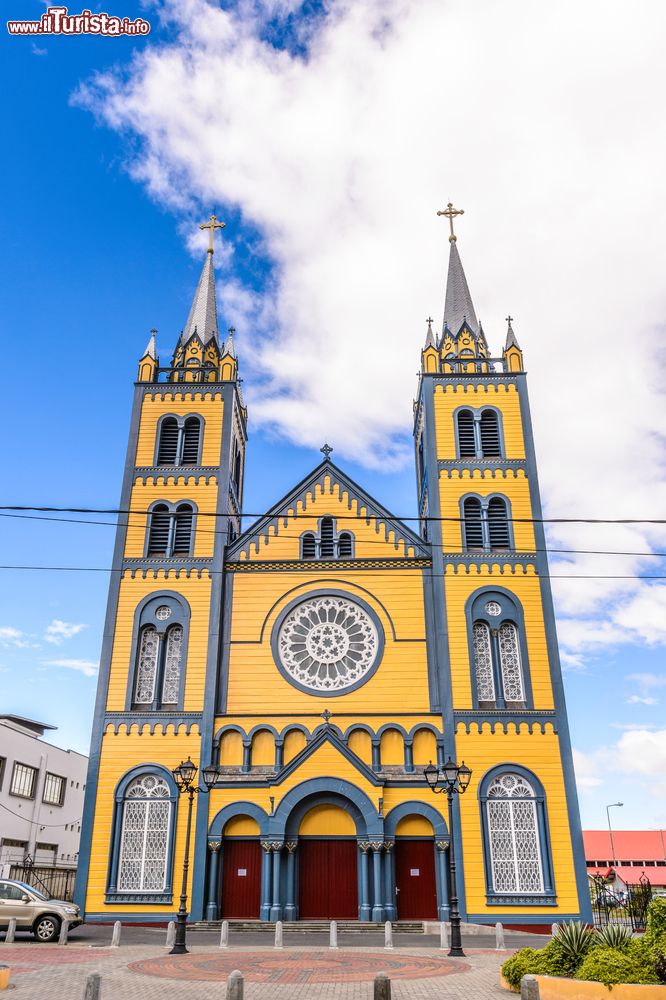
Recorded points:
211,226
450,212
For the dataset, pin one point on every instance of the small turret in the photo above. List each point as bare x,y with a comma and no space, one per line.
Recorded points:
430,354
149,362
512,354
229,361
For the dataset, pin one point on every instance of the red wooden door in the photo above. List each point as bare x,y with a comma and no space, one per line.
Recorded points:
415,879
241,879
328,879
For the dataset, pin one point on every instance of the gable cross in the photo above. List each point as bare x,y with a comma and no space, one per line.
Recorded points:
326,451
326,715
211,226
450,212
509,320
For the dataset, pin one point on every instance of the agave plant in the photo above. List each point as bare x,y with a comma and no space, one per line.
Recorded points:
613,936
575,940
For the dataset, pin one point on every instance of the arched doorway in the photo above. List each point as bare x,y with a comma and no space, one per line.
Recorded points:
327,864
415,879
241,869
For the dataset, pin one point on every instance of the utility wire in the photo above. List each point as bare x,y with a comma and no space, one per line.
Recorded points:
37,822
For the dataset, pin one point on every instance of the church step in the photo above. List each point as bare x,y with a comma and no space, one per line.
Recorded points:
309,926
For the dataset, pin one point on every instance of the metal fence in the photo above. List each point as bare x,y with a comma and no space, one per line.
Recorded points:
57,883
627,908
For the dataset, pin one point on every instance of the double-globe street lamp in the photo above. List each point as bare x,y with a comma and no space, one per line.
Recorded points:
453,779
184,776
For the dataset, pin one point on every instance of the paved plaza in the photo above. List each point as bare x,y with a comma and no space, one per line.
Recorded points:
142,969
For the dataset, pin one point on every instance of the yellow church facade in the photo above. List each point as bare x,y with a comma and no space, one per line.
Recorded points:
322,657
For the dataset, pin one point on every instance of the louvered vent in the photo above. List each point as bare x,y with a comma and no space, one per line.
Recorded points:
191,433
168,448
473,529
345,545
490,439
327,548
498,524
466,434
182,536
308,546
158,538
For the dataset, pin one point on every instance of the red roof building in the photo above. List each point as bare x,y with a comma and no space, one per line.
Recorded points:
629,855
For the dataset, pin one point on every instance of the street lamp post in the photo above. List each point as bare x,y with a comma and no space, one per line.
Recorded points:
610,829
453,779
184,776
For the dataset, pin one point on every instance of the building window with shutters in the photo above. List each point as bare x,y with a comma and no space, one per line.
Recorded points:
170,529
141,867
516,839
498,651
159,651
478,433
179,441
486,524
327,542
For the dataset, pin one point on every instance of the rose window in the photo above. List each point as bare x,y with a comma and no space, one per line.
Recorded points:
328,643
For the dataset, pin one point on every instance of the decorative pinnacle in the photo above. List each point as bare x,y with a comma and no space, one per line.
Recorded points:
326,715
326,451
450,212
211,226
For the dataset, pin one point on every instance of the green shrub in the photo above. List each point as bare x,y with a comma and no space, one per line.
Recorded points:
523,963
633,964
656,920
613,936
574,940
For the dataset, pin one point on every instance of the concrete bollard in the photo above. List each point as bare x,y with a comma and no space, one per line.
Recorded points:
443,936
115,939
388,934
235,986
224,934
64,931
278,934
529,988
499,938
333,940
171,934
93,987
382,987
11,931
554,928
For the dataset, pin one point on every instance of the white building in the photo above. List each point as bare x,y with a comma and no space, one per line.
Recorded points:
41,796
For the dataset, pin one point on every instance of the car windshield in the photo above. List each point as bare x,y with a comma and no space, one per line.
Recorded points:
31,889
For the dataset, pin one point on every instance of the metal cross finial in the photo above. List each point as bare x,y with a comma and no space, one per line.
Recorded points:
326,451
231,331
509,320
450,212
153,331
326,715
211,226
430,321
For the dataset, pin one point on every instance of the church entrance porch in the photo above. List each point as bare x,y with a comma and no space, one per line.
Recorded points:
415,883
328,881
241,879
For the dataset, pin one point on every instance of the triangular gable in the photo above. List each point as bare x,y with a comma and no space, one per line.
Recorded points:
357,501
327,735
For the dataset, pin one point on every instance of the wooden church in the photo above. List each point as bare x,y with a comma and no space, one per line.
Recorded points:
321,657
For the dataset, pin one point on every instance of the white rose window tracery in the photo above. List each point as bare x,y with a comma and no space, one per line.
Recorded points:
328,643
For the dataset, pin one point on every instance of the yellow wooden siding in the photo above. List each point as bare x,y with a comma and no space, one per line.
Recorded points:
414,826
327,821
392,747
361,745
424,748
294,742
203,495
263,748
132,591
211,408
231,750
504,397
241,826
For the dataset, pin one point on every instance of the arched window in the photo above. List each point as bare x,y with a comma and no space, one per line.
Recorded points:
500,677
170,530
179,441
345,545
236,469
159,654
490,436
308,546
515,831
142,866
498,524
191,435
168,447
472,523
327,544
466,435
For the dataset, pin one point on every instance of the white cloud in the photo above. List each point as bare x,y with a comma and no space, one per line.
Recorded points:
339,159
58,631
637,699
88,668
586,769
643,752
10,636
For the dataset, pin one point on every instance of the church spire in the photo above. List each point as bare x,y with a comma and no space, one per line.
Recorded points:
202,319
458,306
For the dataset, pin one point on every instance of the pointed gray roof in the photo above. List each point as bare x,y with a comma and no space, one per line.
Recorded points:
151,350
458,305
203,314
430,337
511,339
229,347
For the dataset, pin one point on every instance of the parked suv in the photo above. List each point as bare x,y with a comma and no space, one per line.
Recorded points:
34,911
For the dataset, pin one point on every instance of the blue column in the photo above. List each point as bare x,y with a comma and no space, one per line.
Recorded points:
376,758
377,908
212,910
442,855
276,908
389,888
440,754
409,757
290,898
364,904
265,911
247,756
279,755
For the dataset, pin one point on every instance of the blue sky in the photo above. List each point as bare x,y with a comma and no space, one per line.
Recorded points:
309,132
